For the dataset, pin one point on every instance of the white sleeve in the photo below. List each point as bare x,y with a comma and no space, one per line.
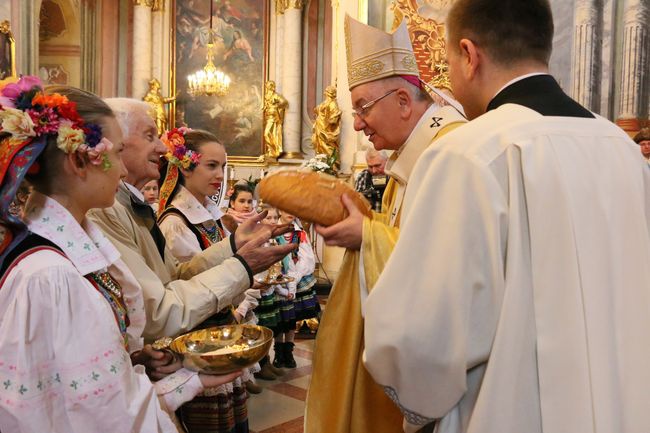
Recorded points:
180,239
250,302
62,357
178,388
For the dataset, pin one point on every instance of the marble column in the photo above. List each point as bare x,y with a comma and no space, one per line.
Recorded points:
587,37
635,73
142,47
279,44
292,78
157,40
90,37
351,141
26,35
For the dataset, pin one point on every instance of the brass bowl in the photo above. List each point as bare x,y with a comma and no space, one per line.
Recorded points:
223,349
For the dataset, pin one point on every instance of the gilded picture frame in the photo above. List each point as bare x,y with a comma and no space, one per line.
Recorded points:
7,51
241,34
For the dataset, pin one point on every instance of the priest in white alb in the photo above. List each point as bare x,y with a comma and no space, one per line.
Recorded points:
521,277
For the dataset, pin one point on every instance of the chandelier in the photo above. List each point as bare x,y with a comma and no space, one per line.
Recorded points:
209,80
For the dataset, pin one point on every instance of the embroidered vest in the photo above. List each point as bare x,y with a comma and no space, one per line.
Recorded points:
206,237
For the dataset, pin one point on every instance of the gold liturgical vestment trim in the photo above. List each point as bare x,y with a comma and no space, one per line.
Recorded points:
342,396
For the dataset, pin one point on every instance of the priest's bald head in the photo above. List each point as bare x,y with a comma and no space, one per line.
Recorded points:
387,97
490,42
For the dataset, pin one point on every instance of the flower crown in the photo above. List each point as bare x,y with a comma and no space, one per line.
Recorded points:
27,113
177,153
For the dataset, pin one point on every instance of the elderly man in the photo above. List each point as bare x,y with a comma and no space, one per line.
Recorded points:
371,182
521,285
396,113
177,297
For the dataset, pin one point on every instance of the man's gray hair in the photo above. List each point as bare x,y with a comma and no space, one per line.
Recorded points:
417,93
372,153
125,109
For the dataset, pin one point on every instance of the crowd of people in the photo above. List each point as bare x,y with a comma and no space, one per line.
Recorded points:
501,285
113,266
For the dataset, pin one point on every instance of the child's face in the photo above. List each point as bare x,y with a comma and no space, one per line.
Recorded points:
272,217
150,192
243,202
287,218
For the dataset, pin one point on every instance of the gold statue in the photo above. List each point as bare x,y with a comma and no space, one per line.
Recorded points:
157,102
274,107
327,126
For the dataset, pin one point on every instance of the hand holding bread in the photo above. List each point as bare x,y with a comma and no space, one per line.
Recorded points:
311,196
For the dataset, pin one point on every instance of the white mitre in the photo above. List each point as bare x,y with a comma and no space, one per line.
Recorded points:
374,54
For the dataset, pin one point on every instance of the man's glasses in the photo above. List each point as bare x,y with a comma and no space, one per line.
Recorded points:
362,111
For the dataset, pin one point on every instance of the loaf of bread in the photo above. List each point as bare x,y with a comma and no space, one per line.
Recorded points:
311,196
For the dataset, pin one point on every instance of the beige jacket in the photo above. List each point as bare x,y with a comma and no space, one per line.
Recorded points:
177,297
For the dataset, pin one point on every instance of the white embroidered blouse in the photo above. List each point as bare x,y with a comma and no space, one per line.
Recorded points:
183,243
180,239
63,365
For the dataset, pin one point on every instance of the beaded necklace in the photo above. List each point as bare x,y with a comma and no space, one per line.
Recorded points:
212,232
112,292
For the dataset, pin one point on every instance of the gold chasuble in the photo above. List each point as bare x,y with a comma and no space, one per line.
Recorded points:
342,396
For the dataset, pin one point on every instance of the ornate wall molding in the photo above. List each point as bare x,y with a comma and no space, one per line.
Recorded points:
428,39
295,4
158,5
280,6
147,3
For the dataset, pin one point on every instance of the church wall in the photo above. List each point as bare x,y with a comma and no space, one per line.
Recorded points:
60,43
562,42
593,59
316,66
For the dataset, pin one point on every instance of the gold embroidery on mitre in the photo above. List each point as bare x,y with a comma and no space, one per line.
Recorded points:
348,43
366,69
409,63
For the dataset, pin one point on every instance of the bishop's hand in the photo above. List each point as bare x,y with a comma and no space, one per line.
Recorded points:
347,233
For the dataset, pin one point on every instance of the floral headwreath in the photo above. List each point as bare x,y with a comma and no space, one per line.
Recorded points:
177,153
30,117
27,114
178,156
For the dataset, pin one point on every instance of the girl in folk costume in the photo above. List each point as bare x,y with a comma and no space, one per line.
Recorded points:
300,266
192,172
268,310
240,206
68,304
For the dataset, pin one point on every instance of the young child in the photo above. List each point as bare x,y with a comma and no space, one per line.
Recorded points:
268,310
299,265
150,193
240,207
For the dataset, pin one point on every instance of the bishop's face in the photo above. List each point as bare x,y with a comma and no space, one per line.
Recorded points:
380,121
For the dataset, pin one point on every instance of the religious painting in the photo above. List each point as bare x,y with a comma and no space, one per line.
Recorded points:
7,51
240,38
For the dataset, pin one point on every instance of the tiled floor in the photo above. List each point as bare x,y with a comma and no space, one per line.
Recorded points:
280,407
